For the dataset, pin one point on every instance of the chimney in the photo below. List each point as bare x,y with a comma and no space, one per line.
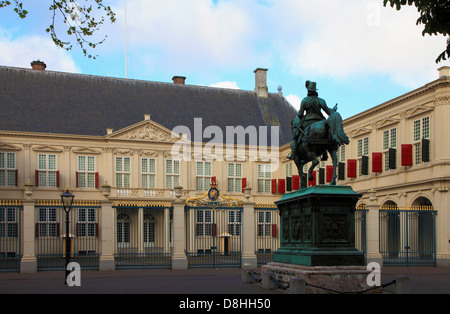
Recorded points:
444,71
179,80
38,65
261,83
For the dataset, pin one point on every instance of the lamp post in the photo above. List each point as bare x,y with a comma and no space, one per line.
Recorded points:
67,200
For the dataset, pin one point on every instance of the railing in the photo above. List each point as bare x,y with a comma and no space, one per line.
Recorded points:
147,193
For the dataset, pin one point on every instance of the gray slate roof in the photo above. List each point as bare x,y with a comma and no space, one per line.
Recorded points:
56,102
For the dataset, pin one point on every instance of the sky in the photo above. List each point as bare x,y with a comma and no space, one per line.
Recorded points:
359,53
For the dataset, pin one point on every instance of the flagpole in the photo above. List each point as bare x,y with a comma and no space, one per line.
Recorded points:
126,44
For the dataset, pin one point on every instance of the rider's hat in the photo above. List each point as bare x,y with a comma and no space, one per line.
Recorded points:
311,86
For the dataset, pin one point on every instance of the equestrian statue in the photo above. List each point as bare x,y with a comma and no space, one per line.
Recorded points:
313,135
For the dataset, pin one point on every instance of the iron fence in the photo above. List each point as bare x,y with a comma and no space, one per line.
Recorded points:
10,238
143,237
267,237
213,237
407,235
50,235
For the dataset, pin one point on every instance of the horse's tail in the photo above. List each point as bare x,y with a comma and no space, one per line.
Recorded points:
337,128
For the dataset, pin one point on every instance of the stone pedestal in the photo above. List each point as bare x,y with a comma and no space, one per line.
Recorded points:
318,227
323,279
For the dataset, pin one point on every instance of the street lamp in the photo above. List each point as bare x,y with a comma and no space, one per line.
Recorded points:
67,200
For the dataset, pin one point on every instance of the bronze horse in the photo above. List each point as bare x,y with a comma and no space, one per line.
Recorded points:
321,137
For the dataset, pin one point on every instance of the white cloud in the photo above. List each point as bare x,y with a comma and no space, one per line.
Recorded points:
294,100
182,35
350,38
226,84
21,51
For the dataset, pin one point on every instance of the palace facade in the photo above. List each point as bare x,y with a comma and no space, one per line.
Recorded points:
144,158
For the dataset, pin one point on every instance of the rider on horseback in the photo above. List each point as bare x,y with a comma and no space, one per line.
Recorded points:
310,112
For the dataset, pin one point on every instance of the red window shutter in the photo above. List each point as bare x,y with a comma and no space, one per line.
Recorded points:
313,181
329,176
36,178
282,186
274,186
214,230
96,180
377,162
407,155
57,178
76,178
244,184
37,231
17,177
274,230
351,168
295,182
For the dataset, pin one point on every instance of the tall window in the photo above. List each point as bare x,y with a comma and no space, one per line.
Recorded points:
47,174
389,141
264,223
172,173
362,150
86,175
203,175
204,223
123,172
341,153
47,223
234,177
148,172
8,170
421,130
234,222
264,178
8,223
87,223
288,169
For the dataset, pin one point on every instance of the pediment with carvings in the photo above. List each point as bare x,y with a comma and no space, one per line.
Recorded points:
145,131
47,149
385,122
9,147
359,132
420,109
86,150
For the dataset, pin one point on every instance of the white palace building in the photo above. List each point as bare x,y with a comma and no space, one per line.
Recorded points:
170,175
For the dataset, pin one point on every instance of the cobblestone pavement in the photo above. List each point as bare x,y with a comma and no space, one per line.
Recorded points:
423,280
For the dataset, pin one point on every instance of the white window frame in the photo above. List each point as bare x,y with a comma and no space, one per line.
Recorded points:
87,222
419,133
362,150
47,219
264,178
47,170
204,223
8,222
235,175
173,169
203,171
264,227
8,169
86,166
389,141
123,171
234,222
148,173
